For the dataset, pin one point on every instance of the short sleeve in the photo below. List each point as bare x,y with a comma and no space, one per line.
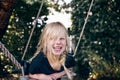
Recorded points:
34,67
36,64
70,61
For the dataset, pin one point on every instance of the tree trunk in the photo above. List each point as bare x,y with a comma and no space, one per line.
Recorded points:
6,8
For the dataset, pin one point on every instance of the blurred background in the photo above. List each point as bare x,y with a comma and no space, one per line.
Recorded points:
98,53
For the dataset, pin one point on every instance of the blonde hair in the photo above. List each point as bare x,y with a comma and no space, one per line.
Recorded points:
54,29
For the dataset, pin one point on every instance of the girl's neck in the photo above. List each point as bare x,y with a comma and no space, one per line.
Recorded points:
54,62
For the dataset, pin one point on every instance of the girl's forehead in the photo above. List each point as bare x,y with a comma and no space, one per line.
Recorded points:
58,36
58,33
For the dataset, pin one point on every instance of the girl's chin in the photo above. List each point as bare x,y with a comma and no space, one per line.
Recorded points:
57,53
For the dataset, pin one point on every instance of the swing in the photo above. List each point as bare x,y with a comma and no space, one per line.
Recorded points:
24,64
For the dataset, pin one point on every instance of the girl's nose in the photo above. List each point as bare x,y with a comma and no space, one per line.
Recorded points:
58,41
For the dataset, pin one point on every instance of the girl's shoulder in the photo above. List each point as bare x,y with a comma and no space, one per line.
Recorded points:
69,56
40,57
70,60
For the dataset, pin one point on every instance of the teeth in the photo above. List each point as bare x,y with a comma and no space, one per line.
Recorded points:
57,47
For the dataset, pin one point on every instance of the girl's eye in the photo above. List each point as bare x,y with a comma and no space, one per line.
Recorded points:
62,38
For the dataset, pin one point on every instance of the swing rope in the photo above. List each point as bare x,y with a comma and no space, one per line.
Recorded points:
86,19
32,30
10,56
22,67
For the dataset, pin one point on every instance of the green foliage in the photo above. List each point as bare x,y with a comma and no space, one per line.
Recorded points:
101,34
59,5
20,26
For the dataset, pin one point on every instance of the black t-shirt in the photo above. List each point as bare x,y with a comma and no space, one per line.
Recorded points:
40,64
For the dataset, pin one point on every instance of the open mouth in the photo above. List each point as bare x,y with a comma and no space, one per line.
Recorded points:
57,49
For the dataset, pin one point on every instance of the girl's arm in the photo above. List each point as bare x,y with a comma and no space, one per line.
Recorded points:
53,76
42,77
59,74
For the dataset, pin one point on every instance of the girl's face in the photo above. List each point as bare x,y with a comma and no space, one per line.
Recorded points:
57,45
